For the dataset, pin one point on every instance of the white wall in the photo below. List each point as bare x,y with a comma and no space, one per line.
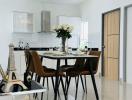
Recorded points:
129,45
93,9
33,6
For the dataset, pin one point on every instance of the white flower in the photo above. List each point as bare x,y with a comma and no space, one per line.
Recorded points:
65,27
71,28
59,27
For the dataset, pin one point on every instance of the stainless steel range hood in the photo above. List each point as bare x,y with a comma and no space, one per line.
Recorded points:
45,22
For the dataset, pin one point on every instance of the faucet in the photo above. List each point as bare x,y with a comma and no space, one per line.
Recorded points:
27,46
20,44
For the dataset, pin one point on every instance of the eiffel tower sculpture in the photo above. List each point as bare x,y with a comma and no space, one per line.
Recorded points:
12,77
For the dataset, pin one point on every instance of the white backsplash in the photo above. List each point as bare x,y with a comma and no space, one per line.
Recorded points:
40,39
36,39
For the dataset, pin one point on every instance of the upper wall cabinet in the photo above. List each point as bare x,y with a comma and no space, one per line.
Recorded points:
45,21
22,22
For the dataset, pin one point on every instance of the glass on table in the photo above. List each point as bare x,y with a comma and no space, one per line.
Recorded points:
69,50
50,49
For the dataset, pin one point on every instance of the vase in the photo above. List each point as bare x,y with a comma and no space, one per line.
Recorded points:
64,44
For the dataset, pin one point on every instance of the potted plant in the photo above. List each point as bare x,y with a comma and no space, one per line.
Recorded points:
64,32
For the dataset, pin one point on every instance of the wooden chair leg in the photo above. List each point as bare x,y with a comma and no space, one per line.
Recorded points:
52,79
82,83
47,83
77,81
43,85
63,87
43,81
58,88
85,83
68,84
38,78
53,83
32,75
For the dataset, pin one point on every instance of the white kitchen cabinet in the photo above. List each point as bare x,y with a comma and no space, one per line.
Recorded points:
20,62
22,22
17,61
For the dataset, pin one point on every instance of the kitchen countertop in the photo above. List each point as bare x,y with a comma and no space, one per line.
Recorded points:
38,48
45,48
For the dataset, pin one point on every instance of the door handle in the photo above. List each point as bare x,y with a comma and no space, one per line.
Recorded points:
103,46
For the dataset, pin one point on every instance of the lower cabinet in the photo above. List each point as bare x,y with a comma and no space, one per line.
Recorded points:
20,63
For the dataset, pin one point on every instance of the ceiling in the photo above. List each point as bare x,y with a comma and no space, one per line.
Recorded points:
63,1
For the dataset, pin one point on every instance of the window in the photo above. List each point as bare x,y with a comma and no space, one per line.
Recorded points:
84,34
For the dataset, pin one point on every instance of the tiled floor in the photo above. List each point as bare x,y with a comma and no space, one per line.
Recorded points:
108,90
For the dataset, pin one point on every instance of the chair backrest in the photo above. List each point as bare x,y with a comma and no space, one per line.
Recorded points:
94,61
27,57
79,62
37,64
28,61
95,53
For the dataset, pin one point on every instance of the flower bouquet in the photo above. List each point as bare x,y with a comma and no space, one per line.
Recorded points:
64,32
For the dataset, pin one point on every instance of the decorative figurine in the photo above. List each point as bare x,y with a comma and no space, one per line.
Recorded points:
11,80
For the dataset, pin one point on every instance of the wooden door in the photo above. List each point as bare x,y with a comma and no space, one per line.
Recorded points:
111,44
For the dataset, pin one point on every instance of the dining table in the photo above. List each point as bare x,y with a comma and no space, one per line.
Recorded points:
59,56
